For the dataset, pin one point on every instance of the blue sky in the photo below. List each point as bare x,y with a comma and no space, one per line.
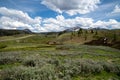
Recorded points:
58,15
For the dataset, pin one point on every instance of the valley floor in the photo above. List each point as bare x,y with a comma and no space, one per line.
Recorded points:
30,58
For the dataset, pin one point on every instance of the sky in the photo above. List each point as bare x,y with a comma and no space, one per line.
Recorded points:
58,15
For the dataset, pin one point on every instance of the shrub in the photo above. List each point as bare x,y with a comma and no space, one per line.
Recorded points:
47,72
90,67
109,67
40,68
9,60
54,61
81,67
6,61
30,63
62,48
2,46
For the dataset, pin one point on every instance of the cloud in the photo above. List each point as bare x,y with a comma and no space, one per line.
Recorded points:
111,24
18,15
116,10
71,7
15,19
115,13
9,23
60,23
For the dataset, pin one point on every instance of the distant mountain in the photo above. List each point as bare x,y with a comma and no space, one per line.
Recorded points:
5,32
77,28
72,29
27,30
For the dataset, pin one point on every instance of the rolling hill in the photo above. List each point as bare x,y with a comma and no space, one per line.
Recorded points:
4,32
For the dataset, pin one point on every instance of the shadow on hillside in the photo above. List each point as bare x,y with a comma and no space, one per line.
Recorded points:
116,45
101,42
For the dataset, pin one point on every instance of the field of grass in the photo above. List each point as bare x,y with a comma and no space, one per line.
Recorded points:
31,58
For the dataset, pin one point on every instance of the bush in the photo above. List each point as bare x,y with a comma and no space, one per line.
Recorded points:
62,48
9,60
6,61
111,68
47,72
54,61
2,46
39,68
30,63
81,67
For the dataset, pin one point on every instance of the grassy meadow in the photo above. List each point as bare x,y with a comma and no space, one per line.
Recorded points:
53,57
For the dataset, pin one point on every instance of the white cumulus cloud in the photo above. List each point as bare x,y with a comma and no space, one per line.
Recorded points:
111,24
72,7
115,13
116,9
60,23
14,19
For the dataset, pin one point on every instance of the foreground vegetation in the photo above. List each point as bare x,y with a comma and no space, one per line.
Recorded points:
35,58
64,63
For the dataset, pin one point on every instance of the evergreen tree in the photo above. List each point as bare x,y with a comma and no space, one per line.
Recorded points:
80,32
96,33
92,31
85,36
114,37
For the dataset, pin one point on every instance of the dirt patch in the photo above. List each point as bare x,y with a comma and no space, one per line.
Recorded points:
101,42
116,45
54,43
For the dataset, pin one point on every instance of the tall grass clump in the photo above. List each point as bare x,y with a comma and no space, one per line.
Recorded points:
3,46
71,68
111,68
47,72
9,58
30,63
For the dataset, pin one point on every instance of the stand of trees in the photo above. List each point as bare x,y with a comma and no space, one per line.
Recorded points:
4,32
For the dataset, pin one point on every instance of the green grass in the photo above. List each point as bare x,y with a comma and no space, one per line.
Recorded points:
102,76
32,58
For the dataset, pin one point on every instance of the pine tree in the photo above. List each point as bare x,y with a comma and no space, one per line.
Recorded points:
96,33
114,37
80,32
85,36
91,31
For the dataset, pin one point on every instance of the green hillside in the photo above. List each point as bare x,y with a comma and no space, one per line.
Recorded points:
93,37
5,32
66,56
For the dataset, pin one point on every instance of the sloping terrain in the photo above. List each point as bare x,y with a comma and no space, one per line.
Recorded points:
4,32
30,57
92,37
2,39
